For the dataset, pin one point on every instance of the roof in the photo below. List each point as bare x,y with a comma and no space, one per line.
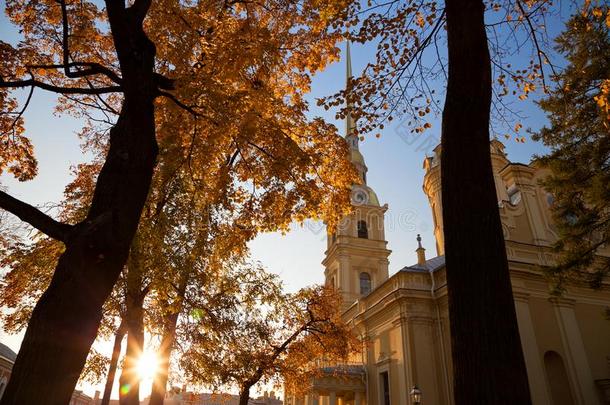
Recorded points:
373,200
434,264
7,353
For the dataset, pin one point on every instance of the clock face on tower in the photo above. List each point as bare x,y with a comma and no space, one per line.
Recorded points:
360,196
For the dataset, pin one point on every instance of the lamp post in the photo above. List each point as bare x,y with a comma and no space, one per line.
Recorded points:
415,395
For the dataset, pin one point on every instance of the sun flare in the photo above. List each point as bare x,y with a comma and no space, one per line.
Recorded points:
147,365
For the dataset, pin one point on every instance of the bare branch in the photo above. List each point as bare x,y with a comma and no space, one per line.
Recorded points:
94,68
20,113
539,52
35,217
58,89
180,103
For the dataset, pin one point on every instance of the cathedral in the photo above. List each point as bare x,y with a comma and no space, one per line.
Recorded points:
404,317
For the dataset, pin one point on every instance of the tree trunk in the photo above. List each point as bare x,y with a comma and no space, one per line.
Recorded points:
65,320
244,395
129,381
487,356
114,360
159,387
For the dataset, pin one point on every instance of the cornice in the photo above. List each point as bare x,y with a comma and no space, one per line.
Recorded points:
562,302
521,296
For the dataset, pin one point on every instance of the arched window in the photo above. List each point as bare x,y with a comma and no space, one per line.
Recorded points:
365,283
557,378
363,231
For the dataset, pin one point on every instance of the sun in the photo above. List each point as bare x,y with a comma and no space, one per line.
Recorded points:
147,365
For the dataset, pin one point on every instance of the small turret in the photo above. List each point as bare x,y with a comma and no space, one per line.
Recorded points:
432,188
421,252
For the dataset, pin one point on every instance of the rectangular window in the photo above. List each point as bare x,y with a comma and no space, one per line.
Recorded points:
385,388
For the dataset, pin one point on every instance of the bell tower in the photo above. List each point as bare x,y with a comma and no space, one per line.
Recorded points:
356,259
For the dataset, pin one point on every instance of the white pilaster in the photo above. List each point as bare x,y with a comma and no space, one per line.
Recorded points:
533,363
576,355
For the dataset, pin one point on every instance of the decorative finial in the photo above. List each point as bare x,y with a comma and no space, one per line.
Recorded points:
421,252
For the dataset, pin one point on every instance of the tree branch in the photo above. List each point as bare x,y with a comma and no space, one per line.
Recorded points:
140,9
35,217
59,89
20,113
93,68
180,103
539,52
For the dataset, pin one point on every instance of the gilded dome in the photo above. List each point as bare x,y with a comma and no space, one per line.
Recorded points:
373,200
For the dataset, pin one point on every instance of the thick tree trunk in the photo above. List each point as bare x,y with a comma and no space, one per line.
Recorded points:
114,361
244,395
129,381
65,320
487,357
159,387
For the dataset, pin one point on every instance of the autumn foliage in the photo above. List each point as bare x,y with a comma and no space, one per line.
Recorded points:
211,92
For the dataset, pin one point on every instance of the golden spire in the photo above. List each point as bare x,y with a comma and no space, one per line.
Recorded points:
350,125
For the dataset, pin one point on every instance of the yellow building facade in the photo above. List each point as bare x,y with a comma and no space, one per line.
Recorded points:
404,318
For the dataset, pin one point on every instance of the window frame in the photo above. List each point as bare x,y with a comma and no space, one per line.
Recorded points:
368,279
362,229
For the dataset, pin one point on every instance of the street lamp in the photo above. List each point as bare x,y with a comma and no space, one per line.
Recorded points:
415,395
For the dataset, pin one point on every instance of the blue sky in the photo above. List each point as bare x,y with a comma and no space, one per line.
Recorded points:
394,162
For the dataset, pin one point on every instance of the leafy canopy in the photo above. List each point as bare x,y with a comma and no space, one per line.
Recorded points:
579,137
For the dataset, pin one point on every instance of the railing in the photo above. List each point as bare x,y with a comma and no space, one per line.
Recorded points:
339,367
333,363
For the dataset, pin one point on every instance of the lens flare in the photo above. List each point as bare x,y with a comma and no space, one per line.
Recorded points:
125,389
147,365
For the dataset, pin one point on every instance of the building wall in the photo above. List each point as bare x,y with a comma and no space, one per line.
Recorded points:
407,340
566,340
5,373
